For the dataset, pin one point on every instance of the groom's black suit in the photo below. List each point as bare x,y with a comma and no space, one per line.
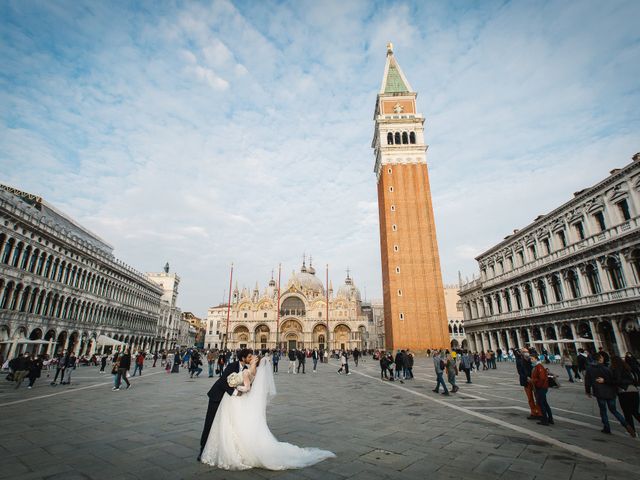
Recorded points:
216,395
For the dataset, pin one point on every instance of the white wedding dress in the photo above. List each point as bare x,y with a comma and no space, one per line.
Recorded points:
240,437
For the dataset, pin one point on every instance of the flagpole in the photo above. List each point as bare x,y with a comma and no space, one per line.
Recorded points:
327,311
226,335
278,314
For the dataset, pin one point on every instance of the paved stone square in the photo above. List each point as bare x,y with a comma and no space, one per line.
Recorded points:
377,429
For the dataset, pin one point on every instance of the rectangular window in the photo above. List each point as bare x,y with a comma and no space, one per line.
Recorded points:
562,237
510,263
623,207
546,245
532,252
520,258
599,218
579,230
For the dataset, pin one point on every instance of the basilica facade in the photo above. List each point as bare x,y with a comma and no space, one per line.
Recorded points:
304,318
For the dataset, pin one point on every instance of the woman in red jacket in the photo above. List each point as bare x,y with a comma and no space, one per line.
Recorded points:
540,381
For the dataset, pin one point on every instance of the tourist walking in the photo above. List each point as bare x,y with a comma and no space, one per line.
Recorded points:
21,367
399,361
452,371
634,367
409,362
103,362
524,367
315,356
627,391
35,370
211,361
344,363
124,364
155,359
565,361
139,364
194,365
540,380
275,359
69,368
302,359
177,361
601,383
292,361
439,367
60,366
466,364
356,356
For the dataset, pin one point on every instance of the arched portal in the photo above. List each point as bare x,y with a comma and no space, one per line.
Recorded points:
341,337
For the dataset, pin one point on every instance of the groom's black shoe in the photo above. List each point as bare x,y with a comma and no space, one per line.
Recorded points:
200,455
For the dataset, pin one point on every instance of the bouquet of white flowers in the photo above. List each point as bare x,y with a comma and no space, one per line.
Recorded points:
235,379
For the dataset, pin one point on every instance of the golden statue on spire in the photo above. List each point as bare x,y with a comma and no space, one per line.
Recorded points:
389,48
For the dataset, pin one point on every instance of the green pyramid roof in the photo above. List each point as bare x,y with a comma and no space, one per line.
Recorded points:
394,82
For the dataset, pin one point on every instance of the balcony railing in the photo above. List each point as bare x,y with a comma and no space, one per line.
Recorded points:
588,242
569,304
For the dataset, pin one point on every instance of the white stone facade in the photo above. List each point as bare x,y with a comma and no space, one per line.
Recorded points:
455,317
61,283
168,333
570,279
303,322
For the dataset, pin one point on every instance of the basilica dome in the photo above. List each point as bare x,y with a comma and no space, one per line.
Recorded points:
307,280
349,290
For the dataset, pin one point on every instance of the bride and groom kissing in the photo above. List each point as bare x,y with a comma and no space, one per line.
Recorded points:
235,434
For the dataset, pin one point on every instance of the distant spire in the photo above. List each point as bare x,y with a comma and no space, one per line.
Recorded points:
166,267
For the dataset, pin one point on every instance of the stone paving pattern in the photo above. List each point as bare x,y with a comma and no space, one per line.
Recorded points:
376,429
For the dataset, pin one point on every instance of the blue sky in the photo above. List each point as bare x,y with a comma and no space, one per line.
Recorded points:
202,133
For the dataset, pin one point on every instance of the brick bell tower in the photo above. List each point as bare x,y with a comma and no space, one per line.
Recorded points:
414,308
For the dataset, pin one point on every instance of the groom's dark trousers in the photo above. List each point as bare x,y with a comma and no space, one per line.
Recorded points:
216,395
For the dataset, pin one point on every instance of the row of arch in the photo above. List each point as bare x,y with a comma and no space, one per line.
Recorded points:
37,261
571,283
614,335
291,333
77,341
401,138
49,304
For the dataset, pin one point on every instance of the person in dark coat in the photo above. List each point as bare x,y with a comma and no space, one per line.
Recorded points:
301,357
124,365
525,368
21,368
634,366
600,382
217,391
35,370
399,361
627,391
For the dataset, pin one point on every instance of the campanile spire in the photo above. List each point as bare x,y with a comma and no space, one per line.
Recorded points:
415,315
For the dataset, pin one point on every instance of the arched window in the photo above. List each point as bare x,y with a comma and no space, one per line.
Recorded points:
397,138
7,250
507,299
557,287
591,272
542,290
529,294
412,137
634,259
450,330
405,138
574,285
614,269
516,295
498,303
389,138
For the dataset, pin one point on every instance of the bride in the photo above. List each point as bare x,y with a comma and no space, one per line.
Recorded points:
240,437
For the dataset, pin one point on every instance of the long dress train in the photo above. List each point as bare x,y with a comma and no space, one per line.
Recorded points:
240,437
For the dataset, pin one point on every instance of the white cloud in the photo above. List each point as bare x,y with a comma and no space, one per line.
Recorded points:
215,133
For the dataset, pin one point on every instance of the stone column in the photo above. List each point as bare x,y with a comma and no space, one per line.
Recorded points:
574,333
620,342
519,338
596,336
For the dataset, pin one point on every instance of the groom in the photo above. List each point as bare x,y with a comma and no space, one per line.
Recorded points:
216,394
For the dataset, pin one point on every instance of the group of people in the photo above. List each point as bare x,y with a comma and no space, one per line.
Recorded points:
610,379
398,367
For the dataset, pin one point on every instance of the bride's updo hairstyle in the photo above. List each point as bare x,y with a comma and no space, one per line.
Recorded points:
244,353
